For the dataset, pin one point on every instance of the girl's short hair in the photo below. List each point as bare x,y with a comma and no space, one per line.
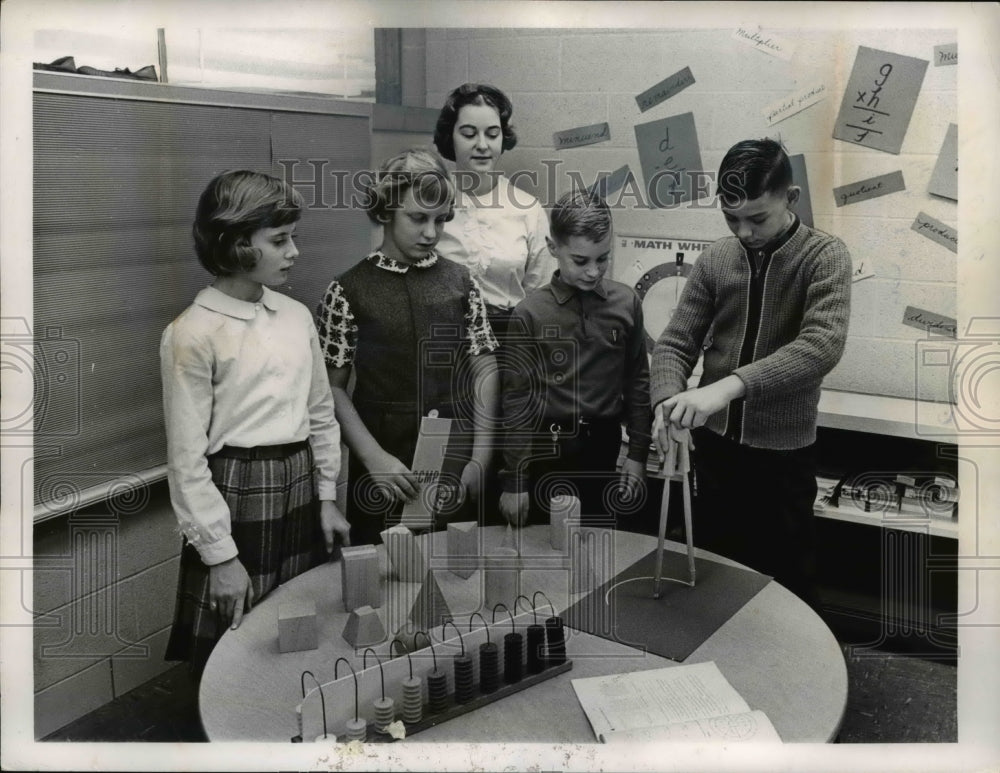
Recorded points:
418,168
472,94
232,207
752,168
580,213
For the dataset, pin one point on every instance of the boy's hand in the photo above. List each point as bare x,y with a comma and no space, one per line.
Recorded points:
230,591
632,477
333,521
692,408
514,507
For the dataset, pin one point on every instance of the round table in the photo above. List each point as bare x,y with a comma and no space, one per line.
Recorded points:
775,651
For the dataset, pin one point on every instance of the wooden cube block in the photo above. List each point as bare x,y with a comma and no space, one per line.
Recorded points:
364,628
463,548
359,577
405,556
297,626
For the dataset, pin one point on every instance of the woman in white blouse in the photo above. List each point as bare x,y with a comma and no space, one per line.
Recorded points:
499,230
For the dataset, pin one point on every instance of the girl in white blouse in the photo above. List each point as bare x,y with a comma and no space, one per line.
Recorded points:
253,443
499,230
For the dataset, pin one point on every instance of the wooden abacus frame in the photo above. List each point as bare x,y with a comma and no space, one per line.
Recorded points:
339,694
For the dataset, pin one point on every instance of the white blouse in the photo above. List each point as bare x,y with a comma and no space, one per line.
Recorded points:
240,374
500,238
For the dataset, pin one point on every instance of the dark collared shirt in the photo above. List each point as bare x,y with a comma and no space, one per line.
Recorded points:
575,355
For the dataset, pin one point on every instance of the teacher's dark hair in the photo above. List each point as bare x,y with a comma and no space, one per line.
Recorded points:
472,94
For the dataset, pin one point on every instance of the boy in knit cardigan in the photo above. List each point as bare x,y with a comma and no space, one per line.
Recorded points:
769,308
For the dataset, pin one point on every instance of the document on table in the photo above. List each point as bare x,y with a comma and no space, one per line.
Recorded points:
680,703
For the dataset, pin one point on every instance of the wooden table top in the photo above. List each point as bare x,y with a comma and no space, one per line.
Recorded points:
775,651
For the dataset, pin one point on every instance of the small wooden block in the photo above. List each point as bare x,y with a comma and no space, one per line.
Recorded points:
463,548
582,554
297,626
561,508
359,577
405,556
502,570
364,628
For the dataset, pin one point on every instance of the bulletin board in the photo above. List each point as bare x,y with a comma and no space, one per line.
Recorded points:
117,178
868,117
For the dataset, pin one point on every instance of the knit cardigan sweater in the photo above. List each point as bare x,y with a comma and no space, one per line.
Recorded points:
804,316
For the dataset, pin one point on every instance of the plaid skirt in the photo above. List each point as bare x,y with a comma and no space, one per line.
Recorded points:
274,512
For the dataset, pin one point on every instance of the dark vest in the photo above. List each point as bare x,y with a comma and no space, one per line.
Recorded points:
411,342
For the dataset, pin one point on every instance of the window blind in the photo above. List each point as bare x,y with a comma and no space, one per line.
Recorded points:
116,182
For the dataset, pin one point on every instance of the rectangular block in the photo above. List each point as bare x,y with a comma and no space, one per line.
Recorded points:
406,558
463,548
360,578
297,626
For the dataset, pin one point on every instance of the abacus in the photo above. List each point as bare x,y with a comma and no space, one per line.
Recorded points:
444,679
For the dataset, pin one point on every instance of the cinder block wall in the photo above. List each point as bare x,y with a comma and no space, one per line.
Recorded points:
104,586
564,78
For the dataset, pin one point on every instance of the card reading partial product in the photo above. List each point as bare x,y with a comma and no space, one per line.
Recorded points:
794,103
944,180
879,99
583,135
665,89
671,160
936,231
872,188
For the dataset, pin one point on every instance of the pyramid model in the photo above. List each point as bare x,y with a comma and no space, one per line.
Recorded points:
429,608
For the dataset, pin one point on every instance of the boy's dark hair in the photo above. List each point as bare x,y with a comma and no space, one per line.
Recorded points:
472,94
232,207
418,168
752,168
580,213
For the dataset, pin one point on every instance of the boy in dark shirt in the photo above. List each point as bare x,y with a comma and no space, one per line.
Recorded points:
769,308
579,370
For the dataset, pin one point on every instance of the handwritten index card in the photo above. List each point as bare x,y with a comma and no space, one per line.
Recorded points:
929,321
671,160
764,41
665,89
794,103
946,55
944,180
936,231
879,99
871,188
583,135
